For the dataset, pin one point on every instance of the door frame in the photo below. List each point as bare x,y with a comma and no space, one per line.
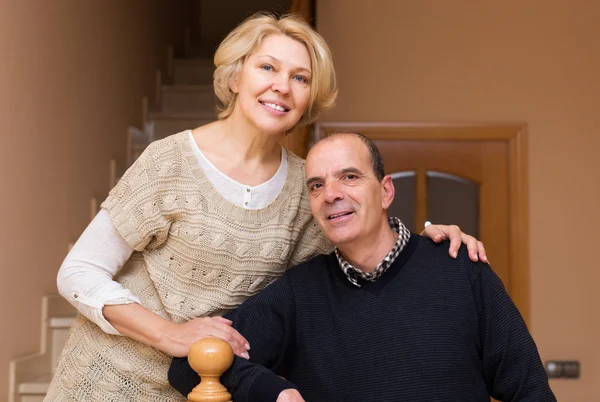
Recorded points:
514,134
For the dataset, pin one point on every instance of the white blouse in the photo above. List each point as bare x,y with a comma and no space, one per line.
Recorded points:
249,197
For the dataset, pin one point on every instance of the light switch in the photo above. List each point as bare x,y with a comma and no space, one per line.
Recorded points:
563,368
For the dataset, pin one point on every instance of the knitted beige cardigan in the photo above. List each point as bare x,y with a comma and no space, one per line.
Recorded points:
196,255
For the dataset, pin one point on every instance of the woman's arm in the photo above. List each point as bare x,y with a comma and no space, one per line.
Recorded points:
85,276
143,325
85,279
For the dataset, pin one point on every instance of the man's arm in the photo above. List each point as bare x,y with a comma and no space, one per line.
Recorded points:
512,366
268,322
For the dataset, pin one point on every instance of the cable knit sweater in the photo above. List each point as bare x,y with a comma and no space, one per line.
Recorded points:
196,255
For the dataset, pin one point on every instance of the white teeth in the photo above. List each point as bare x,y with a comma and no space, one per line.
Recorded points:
274,106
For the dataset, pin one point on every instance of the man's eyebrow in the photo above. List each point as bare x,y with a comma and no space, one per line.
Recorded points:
350,170
341,172
311,180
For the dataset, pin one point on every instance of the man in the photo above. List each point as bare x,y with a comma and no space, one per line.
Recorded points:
388,316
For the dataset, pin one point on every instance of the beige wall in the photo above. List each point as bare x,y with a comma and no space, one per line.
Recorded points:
537,62
72,76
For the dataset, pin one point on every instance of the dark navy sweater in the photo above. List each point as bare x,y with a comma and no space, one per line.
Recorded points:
430,329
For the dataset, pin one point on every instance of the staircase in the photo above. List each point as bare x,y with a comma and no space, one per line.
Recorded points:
188,103
185,104
30,375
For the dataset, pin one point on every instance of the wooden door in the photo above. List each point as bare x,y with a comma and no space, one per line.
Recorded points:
470,175
449,182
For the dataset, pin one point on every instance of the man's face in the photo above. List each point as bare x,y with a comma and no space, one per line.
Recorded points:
346,199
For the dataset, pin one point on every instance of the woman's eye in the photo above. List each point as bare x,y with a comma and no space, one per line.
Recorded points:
301,78
267,67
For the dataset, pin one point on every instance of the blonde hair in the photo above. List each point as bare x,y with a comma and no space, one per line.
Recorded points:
247,38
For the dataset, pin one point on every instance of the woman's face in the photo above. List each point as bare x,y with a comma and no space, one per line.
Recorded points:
273,86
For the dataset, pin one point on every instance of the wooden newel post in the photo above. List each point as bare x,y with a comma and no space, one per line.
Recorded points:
210,358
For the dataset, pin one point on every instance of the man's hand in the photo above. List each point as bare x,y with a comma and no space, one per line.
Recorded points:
290,395
437,233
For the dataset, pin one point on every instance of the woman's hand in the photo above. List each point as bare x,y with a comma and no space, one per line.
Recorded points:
177,338
438,233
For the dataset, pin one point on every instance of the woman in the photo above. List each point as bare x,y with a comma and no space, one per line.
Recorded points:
202,220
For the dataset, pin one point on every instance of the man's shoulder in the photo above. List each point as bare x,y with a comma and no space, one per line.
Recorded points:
437,255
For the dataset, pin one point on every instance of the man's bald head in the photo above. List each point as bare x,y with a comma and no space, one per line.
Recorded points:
376,158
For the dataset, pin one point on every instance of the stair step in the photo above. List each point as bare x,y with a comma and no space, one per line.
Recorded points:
60,327
32,398
33,387
38,386
188,98
193,71
137,141
61,322
165,124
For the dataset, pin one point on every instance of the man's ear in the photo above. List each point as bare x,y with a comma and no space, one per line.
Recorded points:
388,191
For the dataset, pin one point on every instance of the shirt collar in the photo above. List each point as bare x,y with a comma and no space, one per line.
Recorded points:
353,274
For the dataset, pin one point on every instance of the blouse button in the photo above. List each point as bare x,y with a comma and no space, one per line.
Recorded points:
247,190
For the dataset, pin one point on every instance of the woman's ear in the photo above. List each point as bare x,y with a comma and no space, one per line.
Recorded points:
236,70
388,191
234,86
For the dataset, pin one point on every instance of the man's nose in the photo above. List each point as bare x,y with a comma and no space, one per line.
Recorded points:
333,193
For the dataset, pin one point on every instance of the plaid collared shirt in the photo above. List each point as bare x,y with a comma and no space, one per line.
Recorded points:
353,273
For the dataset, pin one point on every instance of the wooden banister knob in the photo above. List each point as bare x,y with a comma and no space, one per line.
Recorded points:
210,358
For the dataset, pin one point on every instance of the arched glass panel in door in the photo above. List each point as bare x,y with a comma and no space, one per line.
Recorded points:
453,200
449,199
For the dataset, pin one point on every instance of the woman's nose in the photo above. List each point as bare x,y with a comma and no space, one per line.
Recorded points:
281,84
